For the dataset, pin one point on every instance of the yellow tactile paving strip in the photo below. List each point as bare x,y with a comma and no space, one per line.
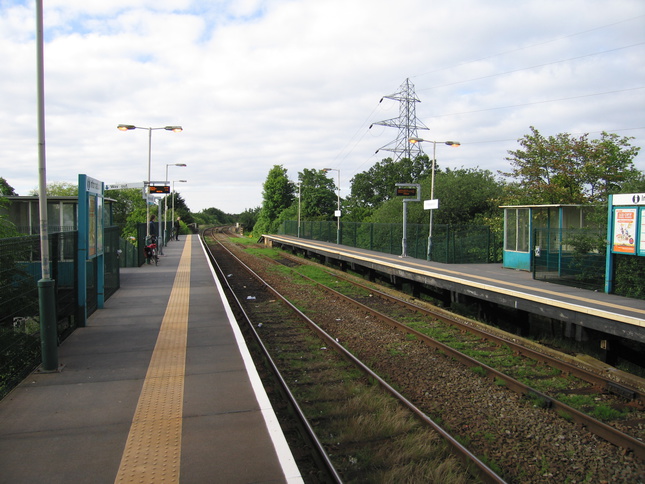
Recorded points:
153,450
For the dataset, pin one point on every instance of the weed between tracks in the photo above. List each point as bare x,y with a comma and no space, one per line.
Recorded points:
369,436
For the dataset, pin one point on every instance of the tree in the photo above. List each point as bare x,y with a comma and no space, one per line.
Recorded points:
565,169
213,216
318,200
128,210
467,196
610,168
277,195
7,229
375,186
6,190
248,218
59,189
181,209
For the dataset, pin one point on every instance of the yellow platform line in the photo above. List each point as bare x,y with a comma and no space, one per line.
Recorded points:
153,449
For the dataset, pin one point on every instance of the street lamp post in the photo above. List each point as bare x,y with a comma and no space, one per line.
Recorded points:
338,209
299,199
165,203
434,160
46,285
173,196
128,127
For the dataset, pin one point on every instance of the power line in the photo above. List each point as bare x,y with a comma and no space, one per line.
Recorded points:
532,67
538,102
530,46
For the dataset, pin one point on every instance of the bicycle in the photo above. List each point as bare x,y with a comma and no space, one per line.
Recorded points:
150,250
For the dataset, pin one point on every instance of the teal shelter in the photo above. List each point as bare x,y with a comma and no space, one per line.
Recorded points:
522,240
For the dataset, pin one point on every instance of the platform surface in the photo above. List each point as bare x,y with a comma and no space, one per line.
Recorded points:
158,387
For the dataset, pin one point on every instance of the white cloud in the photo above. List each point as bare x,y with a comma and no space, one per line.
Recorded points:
297,82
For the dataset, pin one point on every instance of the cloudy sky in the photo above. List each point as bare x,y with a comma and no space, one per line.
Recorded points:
258,83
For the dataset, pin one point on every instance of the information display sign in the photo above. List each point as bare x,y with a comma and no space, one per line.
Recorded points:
159,188
406,191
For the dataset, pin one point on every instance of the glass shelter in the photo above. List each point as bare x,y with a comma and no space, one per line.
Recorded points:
522,239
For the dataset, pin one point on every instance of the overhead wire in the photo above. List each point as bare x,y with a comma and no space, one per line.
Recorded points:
545,101
528,46
533,67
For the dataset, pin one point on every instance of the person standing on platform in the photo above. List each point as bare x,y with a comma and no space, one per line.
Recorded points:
177,227
153,226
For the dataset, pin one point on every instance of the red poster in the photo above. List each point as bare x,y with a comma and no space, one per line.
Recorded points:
624,231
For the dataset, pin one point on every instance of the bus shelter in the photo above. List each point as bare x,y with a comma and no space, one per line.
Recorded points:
532,231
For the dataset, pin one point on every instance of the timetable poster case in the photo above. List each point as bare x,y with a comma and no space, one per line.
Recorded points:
624,231
628,224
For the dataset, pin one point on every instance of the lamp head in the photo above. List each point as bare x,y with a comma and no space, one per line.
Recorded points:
175,129
453,143
125,127
415,140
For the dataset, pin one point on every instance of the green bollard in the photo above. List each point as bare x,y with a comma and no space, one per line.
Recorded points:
48,329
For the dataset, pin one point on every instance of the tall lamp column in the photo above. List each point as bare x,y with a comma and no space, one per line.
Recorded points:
299,201
434,160
165,203
338,209
128,127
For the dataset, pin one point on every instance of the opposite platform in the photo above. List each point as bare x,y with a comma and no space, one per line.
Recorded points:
608,313
159,387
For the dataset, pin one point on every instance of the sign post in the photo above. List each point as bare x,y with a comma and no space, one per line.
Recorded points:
407,190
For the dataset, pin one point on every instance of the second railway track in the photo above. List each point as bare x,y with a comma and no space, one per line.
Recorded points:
517,436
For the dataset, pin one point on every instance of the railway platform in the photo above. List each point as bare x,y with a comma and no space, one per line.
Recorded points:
490,283
158,387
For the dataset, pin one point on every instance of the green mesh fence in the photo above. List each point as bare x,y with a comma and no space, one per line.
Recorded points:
20,271
450,244
573,257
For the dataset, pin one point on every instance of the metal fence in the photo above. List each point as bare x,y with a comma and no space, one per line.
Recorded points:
131,251
451,244
572,257
20,271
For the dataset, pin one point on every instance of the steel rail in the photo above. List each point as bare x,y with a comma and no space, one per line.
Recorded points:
319,455
586,375
483,471
600,429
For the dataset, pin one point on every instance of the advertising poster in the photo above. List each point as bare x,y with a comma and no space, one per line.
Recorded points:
624,231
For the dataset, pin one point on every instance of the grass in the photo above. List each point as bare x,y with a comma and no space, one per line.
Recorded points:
478,370
606,413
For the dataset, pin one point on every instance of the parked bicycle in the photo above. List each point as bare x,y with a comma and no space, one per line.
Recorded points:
150,250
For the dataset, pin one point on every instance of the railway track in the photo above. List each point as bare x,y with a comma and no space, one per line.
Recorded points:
418,329
557,379
371,433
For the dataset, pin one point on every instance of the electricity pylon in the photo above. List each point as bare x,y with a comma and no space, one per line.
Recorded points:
407,123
